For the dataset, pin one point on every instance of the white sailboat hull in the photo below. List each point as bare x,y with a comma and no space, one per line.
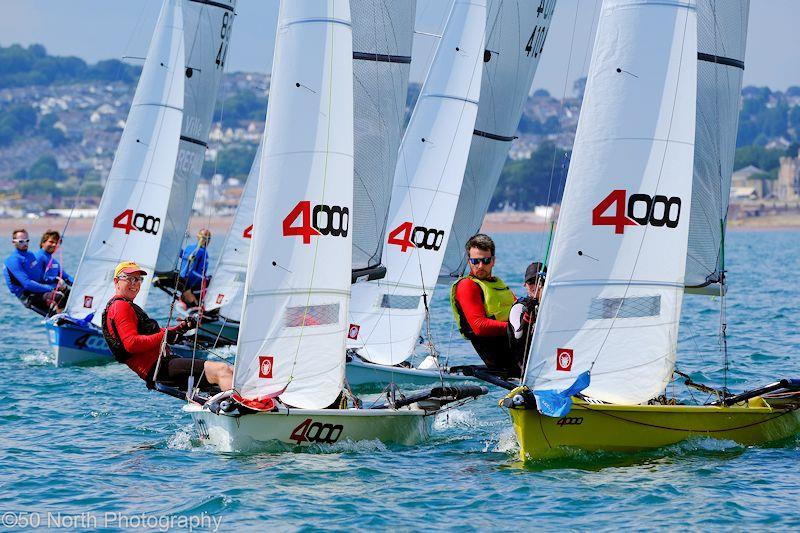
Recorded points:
362,373
303,428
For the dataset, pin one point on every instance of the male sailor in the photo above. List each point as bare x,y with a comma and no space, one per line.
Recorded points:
481,304
25,277
136,339
523,314
194,264
49,243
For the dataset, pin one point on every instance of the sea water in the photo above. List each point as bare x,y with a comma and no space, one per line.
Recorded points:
91,447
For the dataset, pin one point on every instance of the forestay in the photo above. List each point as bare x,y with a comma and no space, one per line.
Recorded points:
515,37
292,336
721,38
208,27
612,301
382,35
226,289
387,314
134,204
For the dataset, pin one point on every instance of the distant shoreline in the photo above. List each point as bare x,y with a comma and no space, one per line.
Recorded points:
516,222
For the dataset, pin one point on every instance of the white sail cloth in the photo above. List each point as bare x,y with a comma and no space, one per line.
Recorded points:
612,300
515,38
226,289
208,27
386,315
292,336
721,40
129,223
382,36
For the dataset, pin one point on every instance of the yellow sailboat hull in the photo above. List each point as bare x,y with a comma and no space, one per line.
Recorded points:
594,427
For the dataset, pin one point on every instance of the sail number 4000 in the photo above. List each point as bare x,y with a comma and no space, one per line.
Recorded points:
306,222
310,431
130,221
642,210
406,236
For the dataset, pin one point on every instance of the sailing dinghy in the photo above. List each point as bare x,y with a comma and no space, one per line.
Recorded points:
604,347
290,361
157,145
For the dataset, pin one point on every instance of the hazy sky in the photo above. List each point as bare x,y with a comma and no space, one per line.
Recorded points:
103,29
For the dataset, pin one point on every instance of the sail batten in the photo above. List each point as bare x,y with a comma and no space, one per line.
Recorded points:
292,334
130,216
387,315
612,299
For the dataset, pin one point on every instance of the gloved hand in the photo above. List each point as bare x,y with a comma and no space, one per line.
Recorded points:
190,322
174,335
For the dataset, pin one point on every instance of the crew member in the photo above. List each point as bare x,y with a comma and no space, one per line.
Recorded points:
136,340
25,277
194,263
48,245
481,304
523,314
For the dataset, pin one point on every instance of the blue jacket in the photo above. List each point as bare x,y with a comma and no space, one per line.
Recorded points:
55,267
194,262
25,273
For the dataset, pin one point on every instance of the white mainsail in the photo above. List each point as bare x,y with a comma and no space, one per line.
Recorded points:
386,315
515,37
129,223
208,27
612,300
292,336
226,289
721,40
382,36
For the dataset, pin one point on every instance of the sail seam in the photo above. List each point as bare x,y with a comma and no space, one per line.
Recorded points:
450,97
322,20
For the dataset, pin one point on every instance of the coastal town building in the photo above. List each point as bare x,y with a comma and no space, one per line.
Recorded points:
789,178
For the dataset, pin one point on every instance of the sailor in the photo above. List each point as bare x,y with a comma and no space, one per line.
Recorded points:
25,277
136,340
50,242
481,304
194,263
523,314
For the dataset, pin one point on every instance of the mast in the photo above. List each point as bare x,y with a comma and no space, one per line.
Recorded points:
208,27
515,36
387,314
134,203
382,36
721,41
291,340
613,295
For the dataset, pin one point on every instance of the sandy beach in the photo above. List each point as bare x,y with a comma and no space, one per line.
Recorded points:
514,222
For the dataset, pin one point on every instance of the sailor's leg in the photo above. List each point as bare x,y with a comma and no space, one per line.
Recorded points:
220,374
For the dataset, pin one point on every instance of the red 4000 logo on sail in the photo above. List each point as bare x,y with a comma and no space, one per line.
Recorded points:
642,210
307,222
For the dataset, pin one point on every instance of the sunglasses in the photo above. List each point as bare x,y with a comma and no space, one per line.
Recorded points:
21,241
131,279
479,260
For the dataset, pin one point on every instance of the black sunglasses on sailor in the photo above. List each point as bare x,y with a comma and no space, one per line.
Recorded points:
479,260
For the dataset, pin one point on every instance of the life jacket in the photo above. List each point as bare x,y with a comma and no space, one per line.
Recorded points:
145,326
497,301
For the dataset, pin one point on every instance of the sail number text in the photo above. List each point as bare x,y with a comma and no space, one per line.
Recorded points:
310,431
307,222
130,221
535,42
225,35
636,210
408,236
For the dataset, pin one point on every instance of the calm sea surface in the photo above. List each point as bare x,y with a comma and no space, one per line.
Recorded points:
93,440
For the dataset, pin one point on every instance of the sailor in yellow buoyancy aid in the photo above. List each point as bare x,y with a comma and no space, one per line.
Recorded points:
481,304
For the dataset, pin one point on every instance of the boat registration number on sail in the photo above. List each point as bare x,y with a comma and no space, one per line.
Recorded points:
130,221
636,210
316,432
307,222
406,236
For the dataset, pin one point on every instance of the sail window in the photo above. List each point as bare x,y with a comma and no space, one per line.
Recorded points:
312,315
398,301
631,307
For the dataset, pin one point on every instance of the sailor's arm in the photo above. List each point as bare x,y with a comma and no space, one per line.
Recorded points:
470,300
29,284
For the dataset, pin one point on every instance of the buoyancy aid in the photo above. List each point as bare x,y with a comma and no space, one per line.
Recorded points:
497,302
145,326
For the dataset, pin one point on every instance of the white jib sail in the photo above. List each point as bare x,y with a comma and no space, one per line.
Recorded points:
208,27
386,315
612,299
226,290
134,204
515,39
721,40
292,336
